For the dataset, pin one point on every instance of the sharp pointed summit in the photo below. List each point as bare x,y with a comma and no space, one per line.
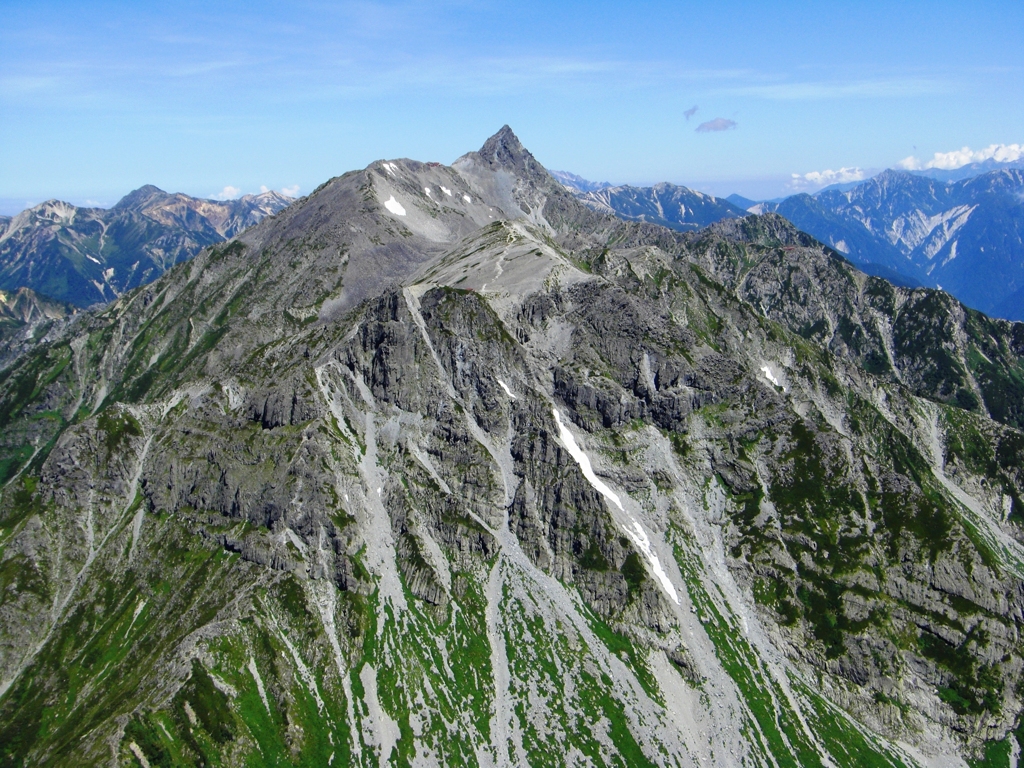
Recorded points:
504,151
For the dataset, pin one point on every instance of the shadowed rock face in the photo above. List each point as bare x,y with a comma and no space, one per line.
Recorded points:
85,256
439,465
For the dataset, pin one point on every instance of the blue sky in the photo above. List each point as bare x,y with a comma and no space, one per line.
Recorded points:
98,98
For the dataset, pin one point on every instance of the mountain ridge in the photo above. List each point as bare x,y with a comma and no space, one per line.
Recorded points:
440,465
666,204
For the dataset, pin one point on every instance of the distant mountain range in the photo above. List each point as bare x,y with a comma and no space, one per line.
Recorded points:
966,236
968,171
578,183
960,230
85,256
669,205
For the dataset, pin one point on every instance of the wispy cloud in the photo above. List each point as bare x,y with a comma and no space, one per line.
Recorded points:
859,89
947,161
819,179
26,84
718,124
206,67
690,112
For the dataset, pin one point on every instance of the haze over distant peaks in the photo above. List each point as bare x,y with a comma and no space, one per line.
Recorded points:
578,183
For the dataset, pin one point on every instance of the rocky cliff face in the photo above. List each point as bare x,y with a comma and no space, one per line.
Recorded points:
441,466
86,256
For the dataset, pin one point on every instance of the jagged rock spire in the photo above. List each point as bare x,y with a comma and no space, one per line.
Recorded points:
504,150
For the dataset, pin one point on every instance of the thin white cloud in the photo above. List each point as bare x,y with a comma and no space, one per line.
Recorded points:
228,193
815,91
948,161
205,68
292,191
819,179
716,125
27,84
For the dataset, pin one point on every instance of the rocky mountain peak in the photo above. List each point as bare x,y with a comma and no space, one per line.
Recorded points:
139,198
504,151
25,305
574,181
271,196
503,145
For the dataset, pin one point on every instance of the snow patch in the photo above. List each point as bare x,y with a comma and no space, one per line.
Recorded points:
254,671
427,190
643,543
384,730
299,543
770,376
139,754
508,391
952,253
394,206
584,461
466,198
90,258
390,168
446,190
135,616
